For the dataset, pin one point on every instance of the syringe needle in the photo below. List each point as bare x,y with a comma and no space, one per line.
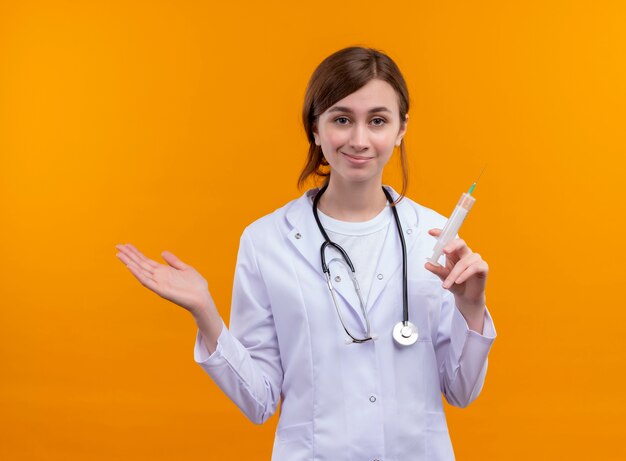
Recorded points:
471,189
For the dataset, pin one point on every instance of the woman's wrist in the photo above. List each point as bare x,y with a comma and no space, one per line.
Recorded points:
474,315
203,306
209,322
477,323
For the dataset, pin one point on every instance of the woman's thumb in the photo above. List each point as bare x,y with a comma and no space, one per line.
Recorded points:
173,260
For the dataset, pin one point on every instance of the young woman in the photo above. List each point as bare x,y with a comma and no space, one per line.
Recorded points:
335,313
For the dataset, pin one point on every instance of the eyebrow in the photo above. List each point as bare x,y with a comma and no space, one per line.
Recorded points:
349,111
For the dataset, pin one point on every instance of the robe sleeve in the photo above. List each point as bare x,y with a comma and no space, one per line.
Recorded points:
246,364
461,354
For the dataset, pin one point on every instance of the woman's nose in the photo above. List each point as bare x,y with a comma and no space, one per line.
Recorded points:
358,138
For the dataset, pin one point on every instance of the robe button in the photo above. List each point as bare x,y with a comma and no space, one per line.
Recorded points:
409,231
372,399
337,279
298,235
379,276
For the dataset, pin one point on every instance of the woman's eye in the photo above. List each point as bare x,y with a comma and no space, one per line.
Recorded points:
378,121
342,120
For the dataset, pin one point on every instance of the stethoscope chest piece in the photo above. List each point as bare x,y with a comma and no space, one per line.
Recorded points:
405,334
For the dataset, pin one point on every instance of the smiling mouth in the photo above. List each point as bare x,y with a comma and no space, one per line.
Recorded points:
356,158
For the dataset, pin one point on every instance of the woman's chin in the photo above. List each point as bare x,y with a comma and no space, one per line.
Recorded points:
357,178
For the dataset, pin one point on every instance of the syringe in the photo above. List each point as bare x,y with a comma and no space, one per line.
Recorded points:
453,224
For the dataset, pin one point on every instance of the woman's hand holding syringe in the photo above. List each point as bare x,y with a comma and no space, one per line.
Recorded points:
465,272
179,283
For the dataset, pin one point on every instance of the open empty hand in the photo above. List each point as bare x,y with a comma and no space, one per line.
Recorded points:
177,282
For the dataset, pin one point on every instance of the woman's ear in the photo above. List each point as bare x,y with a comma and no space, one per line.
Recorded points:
316,135
402,130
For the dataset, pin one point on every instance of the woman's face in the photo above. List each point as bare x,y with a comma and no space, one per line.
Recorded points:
358,133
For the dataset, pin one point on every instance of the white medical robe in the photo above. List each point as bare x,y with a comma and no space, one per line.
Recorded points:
354,402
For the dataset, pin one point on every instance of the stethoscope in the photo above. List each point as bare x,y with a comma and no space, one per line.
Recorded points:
404,333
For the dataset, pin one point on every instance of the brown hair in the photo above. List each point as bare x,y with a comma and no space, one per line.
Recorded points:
339,75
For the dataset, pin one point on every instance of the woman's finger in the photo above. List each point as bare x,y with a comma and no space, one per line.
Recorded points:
131,263
139,254
133,256
459,268
479,268
142,277
173,261
440,271
457,246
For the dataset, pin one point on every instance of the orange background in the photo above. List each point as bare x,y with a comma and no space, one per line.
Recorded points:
174,124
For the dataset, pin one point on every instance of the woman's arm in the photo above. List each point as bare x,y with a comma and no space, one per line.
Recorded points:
244,360
461,354
466,331
246,364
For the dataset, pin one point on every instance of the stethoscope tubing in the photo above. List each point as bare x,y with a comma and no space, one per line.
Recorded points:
328,243
405,297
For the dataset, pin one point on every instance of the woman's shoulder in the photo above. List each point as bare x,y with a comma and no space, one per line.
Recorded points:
419,213
278,221
423,212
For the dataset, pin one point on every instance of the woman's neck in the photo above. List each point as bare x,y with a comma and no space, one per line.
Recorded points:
353,202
